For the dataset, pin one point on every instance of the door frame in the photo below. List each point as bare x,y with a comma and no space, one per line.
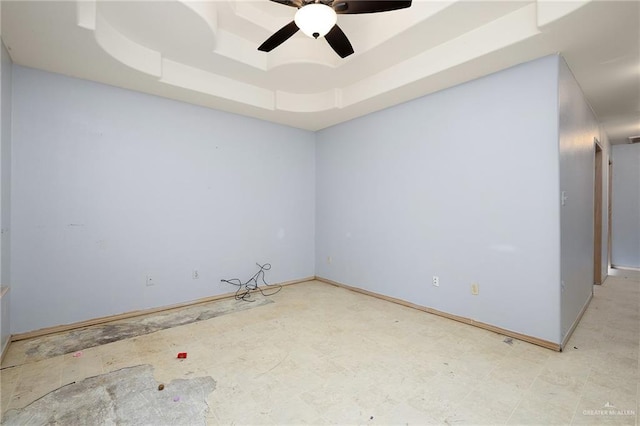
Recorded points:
609,214
597,212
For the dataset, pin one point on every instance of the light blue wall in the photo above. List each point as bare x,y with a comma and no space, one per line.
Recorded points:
578,128
462,184
6,162
111,185
626,206
5,191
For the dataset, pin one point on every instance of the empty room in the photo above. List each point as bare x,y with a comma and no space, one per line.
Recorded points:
288,212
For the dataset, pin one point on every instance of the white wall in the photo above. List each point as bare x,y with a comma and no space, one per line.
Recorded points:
578,128
461,184
110,185
626,206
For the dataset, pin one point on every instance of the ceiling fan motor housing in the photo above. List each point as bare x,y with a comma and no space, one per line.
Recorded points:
315,19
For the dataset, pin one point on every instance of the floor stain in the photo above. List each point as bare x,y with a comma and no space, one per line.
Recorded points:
76,340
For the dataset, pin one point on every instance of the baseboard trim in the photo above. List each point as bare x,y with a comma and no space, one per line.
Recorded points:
625,268
4,289
469,321
575,323
132,314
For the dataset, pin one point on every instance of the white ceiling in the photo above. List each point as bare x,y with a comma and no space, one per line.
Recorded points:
206,53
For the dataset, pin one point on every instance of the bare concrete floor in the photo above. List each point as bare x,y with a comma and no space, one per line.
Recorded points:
127,396
325,355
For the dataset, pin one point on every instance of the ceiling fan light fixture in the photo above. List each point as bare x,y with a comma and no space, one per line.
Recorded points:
316,19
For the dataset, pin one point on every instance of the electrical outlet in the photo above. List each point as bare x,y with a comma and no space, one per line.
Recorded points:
436,281
475,289
195,275
150,281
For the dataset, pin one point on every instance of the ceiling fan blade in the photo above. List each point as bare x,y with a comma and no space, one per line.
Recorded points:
279,37
368,6
339,42
292,3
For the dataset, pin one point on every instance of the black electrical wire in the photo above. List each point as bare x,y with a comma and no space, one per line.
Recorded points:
245,289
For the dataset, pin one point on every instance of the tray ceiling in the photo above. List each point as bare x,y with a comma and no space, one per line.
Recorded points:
206,53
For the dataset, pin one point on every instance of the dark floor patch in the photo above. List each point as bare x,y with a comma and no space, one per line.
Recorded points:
128,397
76,340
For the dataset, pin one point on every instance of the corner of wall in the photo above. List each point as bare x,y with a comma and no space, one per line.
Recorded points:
577,129
5,192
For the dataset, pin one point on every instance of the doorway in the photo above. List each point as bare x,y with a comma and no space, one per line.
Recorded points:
597,216
609,215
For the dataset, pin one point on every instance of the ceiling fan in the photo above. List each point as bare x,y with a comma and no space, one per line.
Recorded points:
317,18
